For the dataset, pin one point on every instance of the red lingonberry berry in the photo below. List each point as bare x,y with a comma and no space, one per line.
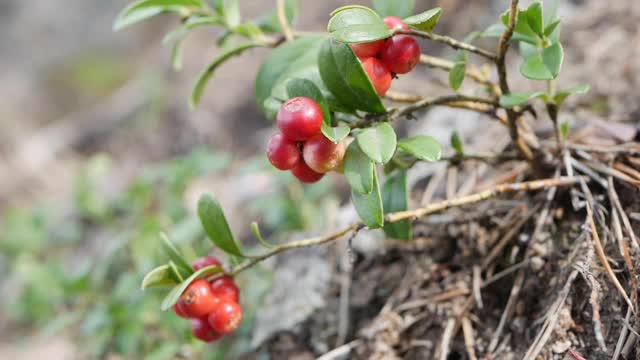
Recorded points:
179,311
299,118
321,154
225,288
305,174
282,152
197,300
395,23
201,329
204,262
401,54
368,49
378,73
226,317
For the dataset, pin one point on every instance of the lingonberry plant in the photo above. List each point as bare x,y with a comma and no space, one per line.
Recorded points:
325,91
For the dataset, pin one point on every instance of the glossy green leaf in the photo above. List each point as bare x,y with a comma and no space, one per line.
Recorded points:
336,133
562,95
344,76
425,21
401,9
378,142
179,34
519,98
369,206
355,24
551,28
535,18
158,277
216,226
522,31
545,64
358,169
145,9
182,265
395,197
175,273
269,22
422,147
456,143
173,295
207,73
287,61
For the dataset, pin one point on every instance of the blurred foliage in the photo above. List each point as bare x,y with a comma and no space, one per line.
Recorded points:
80,269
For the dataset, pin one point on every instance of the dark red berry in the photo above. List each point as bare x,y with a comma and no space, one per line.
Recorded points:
201,329
204,262
379,74
226,317
401,54
321,154
368,49
225,288
395,23
282,152
305,174
299,119
197,300
179,311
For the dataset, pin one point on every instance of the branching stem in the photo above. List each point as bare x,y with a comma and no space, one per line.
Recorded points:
413,214
456,44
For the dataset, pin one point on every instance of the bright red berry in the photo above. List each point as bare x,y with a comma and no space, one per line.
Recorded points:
395,23
204,262
201,329
401,54
282,152
299,118
179,311
197,300
305,174
368,49
379,74
225,288
321,154
226,317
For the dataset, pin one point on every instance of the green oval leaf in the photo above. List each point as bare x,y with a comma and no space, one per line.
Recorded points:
378,142
422,147
343,75
395,197
456,143
425,21
160,276
182,265
216,226
369,206
355,24
519,98
145,9
358,169
535,20
205,76
173,295
295,59
544,64
395,8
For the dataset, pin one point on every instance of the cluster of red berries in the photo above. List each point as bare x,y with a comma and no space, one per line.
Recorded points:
212,306
384,58
300,146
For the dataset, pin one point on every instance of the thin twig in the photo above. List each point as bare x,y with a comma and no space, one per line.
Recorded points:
469,342
456,44
340,351
282,19
444,64
458,101
446,338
